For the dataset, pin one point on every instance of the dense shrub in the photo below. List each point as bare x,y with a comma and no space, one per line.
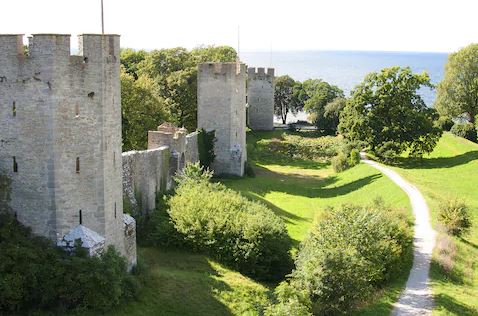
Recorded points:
249,170
36,275
349,252
289,301
297,147
445,123
454,214
354,157
340,162
206,142
465,130
240,233
346,158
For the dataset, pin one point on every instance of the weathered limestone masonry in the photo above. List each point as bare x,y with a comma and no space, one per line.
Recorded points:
145,173
60,135
222,107
175,138
260,99
192,152
149,172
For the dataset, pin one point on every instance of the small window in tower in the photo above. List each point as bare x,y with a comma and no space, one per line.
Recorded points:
77,164
15,164
115,209
114,159
14,109
80,216
77,110
91,95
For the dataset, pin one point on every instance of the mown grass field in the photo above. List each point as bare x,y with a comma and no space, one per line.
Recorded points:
451,171
182,283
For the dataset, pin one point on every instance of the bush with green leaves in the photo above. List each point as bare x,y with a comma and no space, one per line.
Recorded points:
240,233
465,130
206,142
289,301
350,252
36,275
454,214
347,158
340,162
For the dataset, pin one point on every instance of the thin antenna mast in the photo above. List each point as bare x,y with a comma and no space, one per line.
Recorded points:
102,19
238,43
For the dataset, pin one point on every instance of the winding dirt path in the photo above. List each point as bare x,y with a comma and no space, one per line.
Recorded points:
417,298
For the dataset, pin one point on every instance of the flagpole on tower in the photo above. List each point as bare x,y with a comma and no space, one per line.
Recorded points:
102,19
238,43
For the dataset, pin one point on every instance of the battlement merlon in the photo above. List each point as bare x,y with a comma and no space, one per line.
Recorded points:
93,47
11,45
231,68
97,47
260,72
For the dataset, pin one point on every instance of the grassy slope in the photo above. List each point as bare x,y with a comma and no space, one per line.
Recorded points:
190,284
299,191
452,170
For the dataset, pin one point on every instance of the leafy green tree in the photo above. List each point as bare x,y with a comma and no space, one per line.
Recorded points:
457,93
288,97
319,94
387,113
142,110
131,59
332,112
174,71
205,54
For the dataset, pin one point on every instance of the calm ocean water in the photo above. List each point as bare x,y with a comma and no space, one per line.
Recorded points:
346,69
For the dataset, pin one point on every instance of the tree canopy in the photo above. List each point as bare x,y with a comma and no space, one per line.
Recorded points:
386,112
288,97
163,80
141,108
457,93
320,93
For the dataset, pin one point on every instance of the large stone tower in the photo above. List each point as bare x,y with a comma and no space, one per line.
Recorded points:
222,107
260,98
60,134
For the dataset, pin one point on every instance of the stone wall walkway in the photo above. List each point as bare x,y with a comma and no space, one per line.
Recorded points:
417,298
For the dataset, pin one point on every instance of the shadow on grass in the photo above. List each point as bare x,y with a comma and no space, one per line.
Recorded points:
469,243
433,163
307,186
451,305
179,283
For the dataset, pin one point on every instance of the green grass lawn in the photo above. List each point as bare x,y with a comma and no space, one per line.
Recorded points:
190,284
451,170
184,284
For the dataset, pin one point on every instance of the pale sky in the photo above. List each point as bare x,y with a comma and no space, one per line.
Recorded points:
391,25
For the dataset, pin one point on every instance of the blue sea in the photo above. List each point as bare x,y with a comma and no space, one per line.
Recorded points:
346,69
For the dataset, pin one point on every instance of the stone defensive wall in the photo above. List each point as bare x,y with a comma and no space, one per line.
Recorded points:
260,98
145,173
149,172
